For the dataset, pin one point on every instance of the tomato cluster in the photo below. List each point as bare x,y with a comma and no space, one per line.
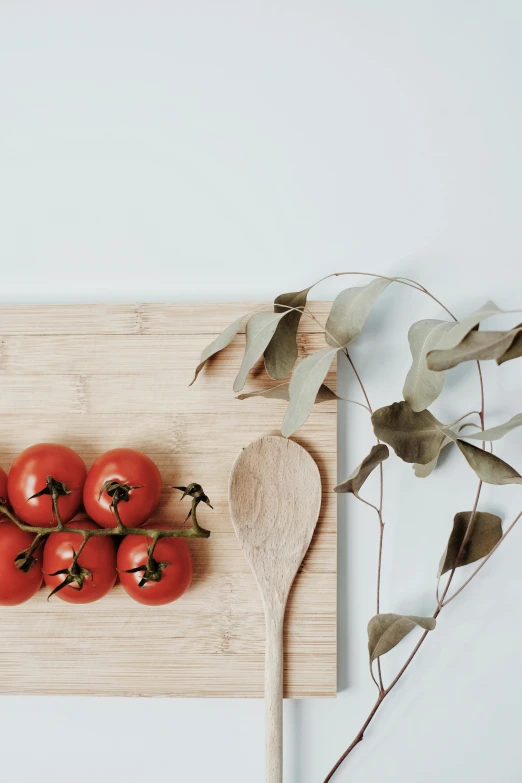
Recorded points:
46,487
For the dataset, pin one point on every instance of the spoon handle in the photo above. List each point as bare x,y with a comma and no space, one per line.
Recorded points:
274,617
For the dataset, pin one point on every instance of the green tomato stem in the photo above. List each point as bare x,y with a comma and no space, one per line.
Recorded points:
195,491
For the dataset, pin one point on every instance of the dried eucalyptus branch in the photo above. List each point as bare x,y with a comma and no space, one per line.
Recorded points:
416,436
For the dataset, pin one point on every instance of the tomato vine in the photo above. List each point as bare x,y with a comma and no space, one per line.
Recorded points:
75,573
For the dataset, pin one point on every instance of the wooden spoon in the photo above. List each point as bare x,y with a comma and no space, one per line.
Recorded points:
275,497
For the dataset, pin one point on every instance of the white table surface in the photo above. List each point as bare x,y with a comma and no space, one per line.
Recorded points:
201,150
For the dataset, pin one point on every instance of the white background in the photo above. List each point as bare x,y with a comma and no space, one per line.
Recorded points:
219,150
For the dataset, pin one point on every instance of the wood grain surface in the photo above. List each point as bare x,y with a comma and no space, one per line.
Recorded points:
97,376
275,499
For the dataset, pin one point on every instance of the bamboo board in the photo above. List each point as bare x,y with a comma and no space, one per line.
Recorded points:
99,376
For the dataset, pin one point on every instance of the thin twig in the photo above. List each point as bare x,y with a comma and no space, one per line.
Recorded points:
361,384
440,601
377,509
379,566
383,694
357,739
470,424
367,503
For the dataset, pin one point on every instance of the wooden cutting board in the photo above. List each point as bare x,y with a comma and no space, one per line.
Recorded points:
99,376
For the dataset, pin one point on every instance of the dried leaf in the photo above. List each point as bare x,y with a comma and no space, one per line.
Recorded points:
353,483
486,532
495,433
224,339
422,385
280,392
515,349
478,346
304,386
350,311
415,436
385,631
281,352
325,394
259,331
423,471
462,328
488,467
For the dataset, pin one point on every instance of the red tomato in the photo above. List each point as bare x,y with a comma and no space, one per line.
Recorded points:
16,586
28,476
141,487
3,485
176,574
96,564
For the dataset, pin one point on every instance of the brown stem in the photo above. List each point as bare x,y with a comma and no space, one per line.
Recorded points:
384,693
361,384
358,737
440,605
471,413
379,561
440,602
381,536
378,509
382,696
401,280
482,411
367,503
379,566
412,655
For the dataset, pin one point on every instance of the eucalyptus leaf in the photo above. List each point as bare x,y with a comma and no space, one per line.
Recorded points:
350,310
486,532
353,483
488,467
281,392
423,471
515,349
416,436
259,331
478,346
462,328
304,386
422,385
495,433
224,339
385,631
281,352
